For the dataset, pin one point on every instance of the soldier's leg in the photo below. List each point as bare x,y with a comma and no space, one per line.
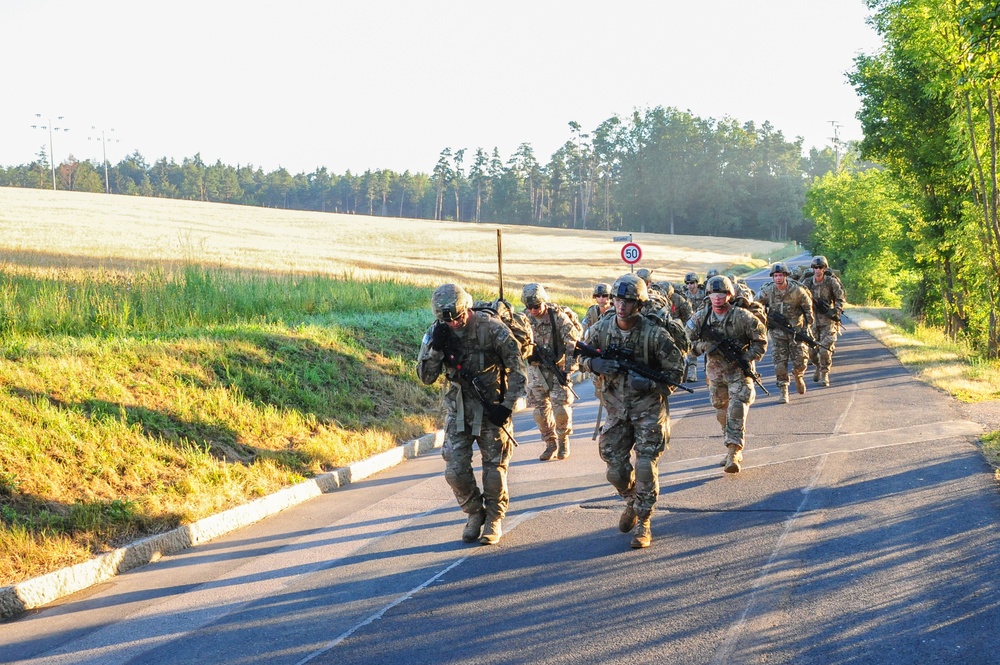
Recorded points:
780,354
652,436
538,399
742,395
828,337
799,354
718,393
457,454
496,449
562,413
615,448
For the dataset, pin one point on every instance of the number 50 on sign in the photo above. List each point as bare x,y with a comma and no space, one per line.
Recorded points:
631,253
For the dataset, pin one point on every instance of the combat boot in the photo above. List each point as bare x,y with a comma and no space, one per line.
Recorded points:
733,459
550,450
817,375
628,519
492,532
470,533
643,535
563,449
784,394
800,384
824,378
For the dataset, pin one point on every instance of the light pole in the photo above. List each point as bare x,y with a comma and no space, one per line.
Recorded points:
52,159
836,142
105,140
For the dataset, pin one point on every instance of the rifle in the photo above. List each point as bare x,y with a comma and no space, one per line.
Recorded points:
826,310
799,335
544,356
626,360
733,352
468,380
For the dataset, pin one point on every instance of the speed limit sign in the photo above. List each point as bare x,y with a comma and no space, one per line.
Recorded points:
631,253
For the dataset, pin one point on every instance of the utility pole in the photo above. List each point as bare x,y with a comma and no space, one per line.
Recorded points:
52,158
836,141
104,142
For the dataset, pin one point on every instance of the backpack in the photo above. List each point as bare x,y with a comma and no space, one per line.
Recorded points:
746,300
517,323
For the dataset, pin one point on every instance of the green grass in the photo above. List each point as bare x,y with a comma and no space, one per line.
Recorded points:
132,404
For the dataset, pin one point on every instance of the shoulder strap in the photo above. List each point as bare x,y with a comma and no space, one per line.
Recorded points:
557,345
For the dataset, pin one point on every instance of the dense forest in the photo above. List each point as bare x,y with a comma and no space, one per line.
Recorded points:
662,170
924,231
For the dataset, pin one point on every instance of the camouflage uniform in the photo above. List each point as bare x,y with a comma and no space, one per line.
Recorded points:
485,347
696,300
731,393
795,303
638,418
825,329
550,400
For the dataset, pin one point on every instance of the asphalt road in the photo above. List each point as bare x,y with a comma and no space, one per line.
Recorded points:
863,529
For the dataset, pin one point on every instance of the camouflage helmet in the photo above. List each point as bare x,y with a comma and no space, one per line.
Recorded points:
779,267
744,291
645,275
533,295
630,287
796,272
819,261
720,284
602,290
449,302
666,288
691,278
711,273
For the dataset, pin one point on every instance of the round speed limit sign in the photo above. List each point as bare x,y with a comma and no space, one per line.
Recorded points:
631,253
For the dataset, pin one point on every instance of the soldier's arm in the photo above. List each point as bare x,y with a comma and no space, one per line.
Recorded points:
758,338
517,375
670,359
429,361
838,296
807,307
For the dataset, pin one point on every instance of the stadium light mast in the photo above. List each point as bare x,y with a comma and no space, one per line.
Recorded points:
52,159
105,140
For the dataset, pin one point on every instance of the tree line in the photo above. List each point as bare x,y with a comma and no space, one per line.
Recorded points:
923,231
661,170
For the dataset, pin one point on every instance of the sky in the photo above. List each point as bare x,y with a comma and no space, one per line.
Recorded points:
371,84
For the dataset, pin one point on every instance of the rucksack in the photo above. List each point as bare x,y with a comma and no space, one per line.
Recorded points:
517,323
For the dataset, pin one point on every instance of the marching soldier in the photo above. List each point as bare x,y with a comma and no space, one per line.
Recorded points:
549,390
486,376
695,294
638,417
788,301
715,331
601,306
828,304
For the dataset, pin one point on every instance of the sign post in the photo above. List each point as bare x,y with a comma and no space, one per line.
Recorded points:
631,253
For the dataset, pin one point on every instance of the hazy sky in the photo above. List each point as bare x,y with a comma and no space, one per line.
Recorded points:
390,83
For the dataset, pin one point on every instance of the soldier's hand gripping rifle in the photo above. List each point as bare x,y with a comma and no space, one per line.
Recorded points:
626,360
826,310
733,352
800,335
544,356
471,381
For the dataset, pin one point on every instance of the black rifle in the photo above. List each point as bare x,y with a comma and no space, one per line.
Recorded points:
544,356
626,360
732,352
826,310
800,335
468,380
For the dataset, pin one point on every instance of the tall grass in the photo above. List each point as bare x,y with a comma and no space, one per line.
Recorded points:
130,403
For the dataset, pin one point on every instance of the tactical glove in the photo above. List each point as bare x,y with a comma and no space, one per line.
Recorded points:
640,383
603,366
439,336
498,414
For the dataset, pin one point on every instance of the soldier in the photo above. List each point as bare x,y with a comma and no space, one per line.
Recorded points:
786,298
695,294
657,300
486,376
828,304
730,388
679,306
549,390
638,416
601,306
